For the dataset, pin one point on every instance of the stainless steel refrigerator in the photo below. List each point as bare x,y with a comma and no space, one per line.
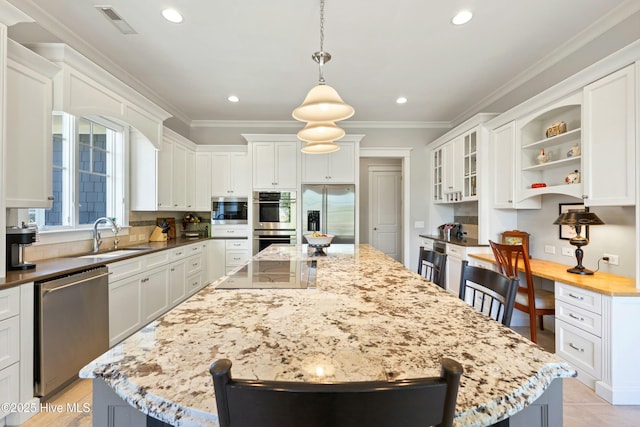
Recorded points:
330,209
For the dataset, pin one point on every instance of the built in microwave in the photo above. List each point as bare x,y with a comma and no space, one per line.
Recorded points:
229,210
274,210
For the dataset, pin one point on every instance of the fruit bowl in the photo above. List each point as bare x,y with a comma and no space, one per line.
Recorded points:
318,240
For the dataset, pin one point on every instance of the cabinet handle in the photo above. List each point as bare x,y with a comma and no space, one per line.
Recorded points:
584,196
173,269
581,350
145,280
231,231
195,264
51,198
578,297
510,201
194,249
573,316
178,253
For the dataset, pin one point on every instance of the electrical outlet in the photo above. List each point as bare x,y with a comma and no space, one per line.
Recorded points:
133,238
141,237
549,249
567,252
613,259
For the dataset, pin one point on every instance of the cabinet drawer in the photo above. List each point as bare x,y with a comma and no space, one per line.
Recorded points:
193,264
9,386
427,244
221,231
237,257
581,349
156,259
122,269
456,251
194,283
582,298
9,341
580,318
9,302
193,249
178,253
236,244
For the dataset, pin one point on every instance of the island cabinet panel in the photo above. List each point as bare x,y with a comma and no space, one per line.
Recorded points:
610,140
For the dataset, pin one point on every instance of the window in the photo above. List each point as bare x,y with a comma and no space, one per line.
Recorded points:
88,173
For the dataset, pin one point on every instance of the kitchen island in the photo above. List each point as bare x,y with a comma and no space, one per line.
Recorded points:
366,318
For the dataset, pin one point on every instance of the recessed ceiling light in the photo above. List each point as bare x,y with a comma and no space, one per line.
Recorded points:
401,100
172,15
462,17
233,98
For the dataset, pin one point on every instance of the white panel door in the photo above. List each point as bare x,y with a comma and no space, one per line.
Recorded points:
385,201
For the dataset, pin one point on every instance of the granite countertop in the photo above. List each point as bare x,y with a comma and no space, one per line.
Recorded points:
368,318
466,241
53,267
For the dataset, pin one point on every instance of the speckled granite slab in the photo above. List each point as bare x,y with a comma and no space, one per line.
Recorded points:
368,318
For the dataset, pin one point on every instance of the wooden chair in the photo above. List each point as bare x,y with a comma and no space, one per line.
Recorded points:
489,292
431,266
408,403
535,302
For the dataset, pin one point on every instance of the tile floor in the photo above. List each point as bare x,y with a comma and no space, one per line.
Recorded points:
582,407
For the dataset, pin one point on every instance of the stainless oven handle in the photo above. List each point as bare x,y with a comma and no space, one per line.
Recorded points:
275,202
46,291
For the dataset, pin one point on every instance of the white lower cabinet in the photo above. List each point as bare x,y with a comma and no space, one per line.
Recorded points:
177,290
598,335
455,255
125,308
236,254
155,294
216,261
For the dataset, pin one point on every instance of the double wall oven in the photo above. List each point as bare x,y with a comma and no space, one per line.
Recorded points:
274,218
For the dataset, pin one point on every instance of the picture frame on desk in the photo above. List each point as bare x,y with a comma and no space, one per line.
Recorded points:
566,232
516,237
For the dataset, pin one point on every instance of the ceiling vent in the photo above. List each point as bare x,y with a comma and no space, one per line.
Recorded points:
113,17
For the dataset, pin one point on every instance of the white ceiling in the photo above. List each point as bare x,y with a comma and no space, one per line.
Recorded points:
261,51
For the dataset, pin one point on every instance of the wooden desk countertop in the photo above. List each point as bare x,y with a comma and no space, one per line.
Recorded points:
603,283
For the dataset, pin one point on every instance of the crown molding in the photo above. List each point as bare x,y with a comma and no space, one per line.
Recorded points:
59,30
11,15
604,24
295,124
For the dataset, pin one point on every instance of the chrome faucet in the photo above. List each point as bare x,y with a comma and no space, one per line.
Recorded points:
97,239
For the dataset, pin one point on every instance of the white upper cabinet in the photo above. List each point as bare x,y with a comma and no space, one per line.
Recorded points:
275,165
338,167
203,182
230,174
29,143
163,179
437,166
503,145
609,134
452,177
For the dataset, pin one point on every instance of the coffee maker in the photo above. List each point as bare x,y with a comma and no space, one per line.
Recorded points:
17,240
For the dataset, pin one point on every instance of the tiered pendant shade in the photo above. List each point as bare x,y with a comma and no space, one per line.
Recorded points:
320,147
320,131
323,104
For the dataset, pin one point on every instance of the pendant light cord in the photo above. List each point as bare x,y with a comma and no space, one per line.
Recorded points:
320,58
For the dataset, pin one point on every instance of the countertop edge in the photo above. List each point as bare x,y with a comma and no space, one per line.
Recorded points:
72,264
467,242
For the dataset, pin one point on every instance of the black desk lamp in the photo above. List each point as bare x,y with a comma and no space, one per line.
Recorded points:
577,219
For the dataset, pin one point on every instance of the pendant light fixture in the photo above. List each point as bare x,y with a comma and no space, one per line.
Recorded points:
321,108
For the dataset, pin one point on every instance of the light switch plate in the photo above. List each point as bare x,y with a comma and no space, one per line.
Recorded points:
549,249
418,224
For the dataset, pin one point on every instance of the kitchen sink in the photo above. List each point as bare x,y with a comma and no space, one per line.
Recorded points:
114,254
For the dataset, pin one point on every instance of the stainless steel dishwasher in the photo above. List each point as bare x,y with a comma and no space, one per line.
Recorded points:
72,326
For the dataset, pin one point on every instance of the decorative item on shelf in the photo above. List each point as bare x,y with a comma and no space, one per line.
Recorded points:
542,158
538,185
573,177
574,151
516,237
556,129
578,218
